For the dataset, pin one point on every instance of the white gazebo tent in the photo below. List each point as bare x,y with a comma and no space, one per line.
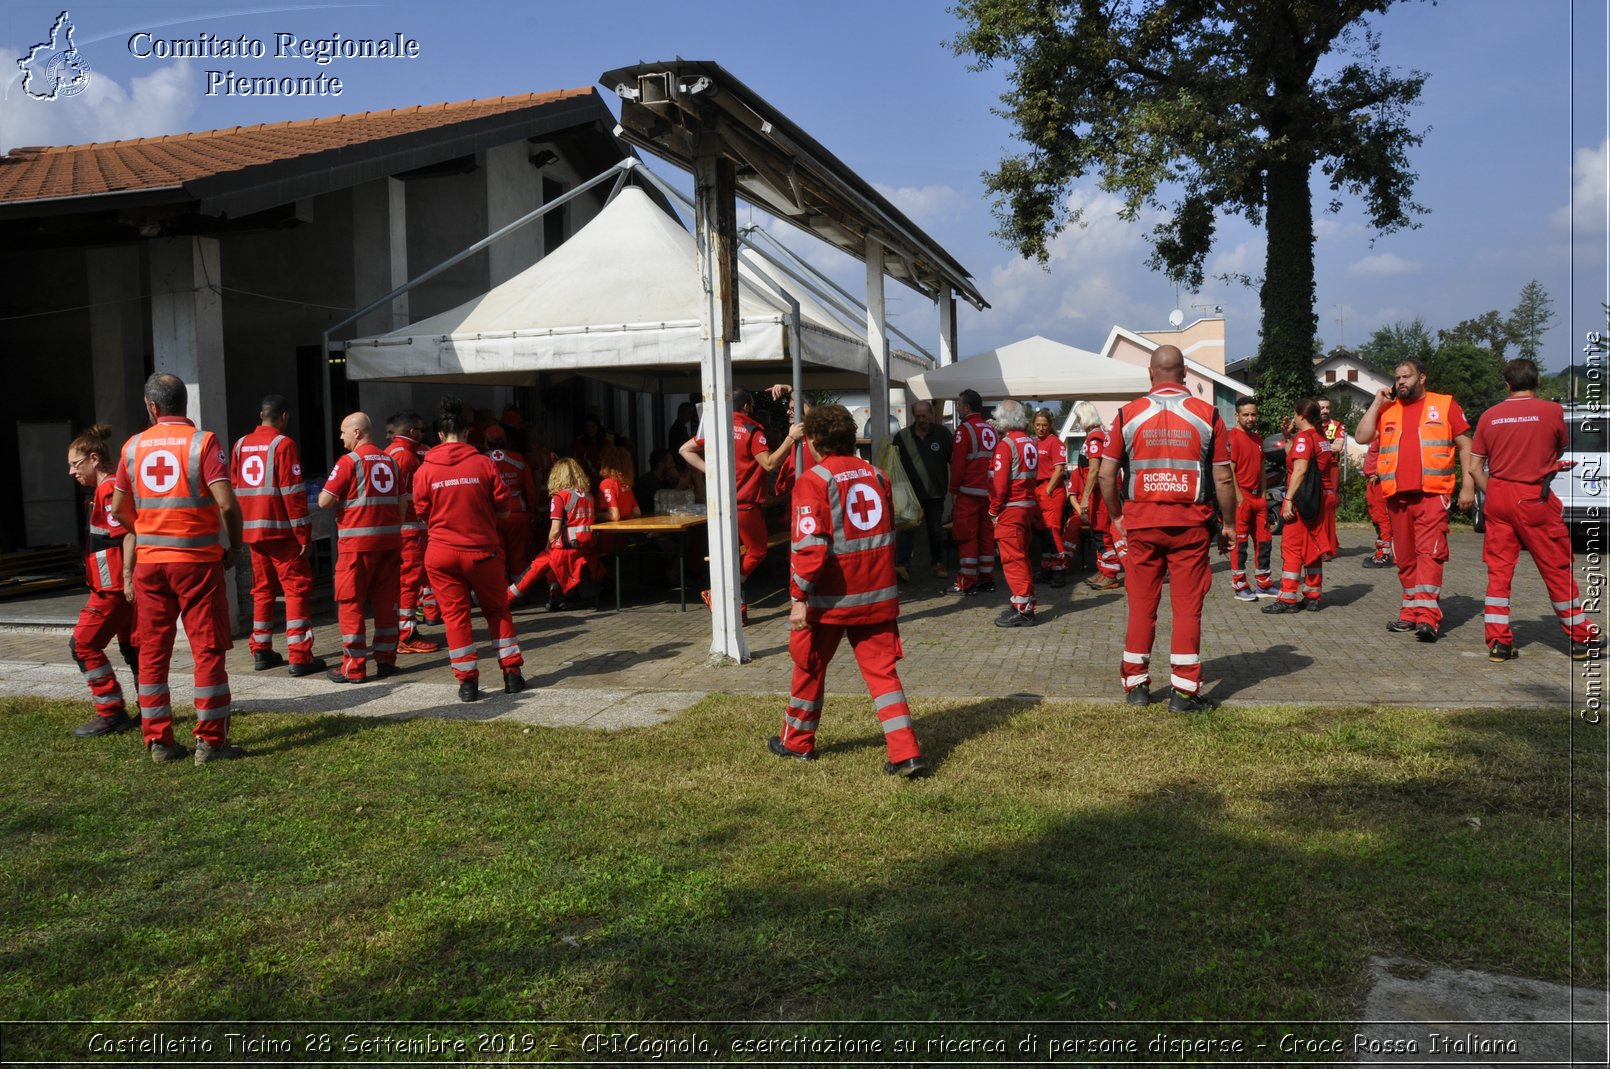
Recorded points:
1036,368
621,299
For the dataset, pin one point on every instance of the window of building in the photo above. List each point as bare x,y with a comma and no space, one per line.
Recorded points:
1330,376
1352,374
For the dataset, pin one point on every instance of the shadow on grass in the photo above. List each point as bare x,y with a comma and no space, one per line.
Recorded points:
937,733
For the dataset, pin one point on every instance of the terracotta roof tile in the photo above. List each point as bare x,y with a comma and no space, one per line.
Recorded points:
158,162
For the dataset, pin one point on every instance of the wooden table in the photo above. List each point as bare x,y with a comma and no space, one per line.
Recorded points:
678,524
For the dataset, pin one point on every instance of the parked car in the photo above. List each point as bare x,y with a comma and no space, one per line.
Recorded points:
1583,488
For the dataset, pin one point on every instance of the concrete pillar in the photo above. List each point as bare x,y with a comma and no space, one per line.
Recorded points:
117,342
877,340
380,265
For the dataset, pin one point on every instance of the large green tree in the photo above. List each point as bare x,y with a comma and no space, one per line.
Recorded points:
1531,318
1489,330
1200,108
1471,373
1391,345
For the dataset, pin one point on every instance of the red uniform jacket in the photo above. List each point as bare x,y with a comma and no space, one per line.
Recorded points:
1095,449
971,457
404,453
266,471
1332,440
842,561
1014,473
517,478
367,484
574,511
1169,443
458,494
103,541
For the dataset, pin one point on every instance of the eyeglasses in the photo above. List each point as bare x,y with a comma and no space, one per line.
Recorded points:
74,465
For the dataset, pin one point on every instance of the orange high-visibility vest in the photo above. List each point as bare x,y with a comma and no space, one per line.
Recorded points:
1437,454
176,517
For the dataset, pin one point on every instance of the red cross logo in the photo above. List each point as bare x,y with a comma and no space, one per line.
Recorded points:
1031,456
864,506
382,478
496,455
987,436
252,470
159,471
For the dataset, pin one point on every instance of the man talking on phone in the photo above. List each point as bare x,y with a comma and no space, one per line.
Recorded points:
1422,435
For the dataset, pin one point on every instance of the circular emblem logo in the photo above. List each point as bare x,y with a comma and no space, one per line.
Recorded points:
1031,455
252,470
159,471
807,525
934,445
987,436
296,470
1432,413
864,507
497,455
382,478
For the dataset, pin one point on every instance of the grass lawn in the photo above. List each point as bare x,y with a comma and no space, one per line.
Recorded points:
1065,862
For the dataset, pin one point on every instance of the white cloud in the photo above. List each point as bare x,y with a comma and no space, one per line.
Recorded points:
924,204
1382,264
1590,191
1247,258
161,102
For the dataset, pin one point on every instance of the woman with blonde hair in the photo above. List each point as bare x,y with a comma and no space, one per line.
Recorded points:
571,555
109,613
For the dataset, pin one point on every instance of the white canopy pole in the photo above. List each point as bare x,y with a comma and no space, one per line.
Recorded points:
877,341
947,325
715,235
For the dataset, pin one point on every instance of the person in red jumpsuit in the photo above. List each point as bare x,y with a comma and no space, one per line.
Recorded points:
1375,503
1014,508
266,471
1517,452
173,492
1051,498
571,555
1425,442
1173,449
1304,545
972,456
405,429
458,493
365,486
108,613
1332,442
1251,507
1078,475
753,461
842,584
515,528
1110,548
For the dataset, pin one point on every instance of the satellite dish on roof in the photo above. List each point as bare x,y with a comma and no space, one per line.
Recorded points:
1175,318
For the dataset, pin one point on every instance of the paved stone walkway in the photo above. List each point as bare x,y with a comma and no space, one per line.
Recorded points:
610,669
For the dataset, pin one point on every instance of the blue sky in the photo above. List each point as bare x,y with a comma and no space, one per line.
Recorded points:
1513,166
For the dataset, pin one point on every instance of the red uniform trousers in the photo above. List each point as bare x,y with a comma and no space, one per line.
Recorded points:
1184,550
1517,519
515,530
975,540
367,577
1013,530
1251,524
1070,535
752,536
561,568
194,592
1110,561
1051,505
1420,542
105,616
1332,498
877,648
411,582
278,566
454,573
1302,548
1375,503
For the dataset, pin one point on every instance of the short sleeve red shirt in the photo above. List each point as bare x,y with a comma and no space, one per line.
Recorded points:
1052,453
749,445
1522,439
1246,454
1304,446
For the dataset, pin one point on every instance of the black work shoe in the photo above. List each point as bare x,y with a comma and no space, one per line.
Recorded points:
1502,651
163,752
1139,694
1278,607
1426,633
307,668
775,745
1012,618
513,681
1180,702
1380,562
115,724
985,586
1586,651
1057,580
263,660
911,767
469,691
964,591
205,752
1400,626
336,675
385,671
1311,605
